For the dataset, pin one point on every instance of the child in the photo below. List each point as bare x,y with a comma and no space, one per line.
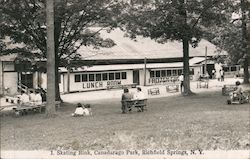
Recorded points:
82,111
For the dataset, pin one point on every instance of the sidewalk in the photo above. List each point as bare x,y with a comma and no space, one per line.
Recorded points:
214,85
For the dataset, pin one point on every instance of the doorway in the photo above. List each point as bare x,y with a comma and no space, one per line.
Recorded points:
27,80
136,77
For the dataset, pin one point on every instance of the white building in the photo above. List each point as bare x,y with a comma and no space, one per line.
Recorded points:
123,64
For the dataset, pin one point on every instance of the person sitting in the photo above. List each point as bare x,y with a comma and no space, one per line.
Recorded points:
37,98
139,95
238,91
32,97
82,111
87,110
125,97
24,98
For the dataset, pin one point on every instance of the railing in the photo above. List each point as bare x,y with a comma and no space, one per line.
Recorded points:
22,87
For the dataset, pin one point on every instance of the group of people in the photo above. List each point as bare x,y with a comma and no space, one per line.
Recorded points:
127,96
218,74
34,98
82,110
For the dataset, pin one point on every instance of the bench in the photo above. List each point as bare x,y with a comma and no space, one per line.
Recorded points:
140,104
202,83
171,88
154,91
226,89
23,109
133,85
7,106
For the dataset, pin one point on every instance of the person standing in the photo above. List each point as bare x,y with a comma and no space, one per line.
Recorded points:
181,79
218,75
222,75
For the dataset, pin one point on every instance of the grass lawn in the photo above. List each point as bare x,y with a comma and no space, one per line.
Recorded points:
202,121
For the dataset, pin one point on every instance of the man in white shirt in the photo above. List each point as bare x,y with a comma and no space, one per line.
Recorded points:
38,98
181,79
139,94
32,96
24,98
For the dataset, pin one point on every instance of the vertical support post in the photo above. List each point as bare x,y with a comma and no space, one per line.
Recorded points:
50,109
205,69
68,77
144,70
1,78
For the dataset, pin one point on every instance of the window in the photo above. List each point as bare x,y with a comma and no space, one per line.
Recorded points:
124,75
105,76
117,75
111,76
163,73
174,72
169,73
77,78
158,73
84,77
98,77
152,73
191,71
91,77
179,72
233,68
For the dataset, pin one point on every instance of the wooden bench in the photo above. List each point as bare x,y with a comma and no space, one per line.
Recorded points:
154,91
140,104
7,106
171,88
226,89
23,109
202,83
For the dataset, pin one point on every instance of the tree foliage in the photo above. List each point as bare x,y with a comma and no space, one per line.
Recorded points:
24,22
181,20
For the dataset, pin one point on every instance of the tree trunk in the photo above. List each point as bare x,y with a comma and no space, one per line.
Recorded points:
186,82
50,107
244,42
185,45
57,22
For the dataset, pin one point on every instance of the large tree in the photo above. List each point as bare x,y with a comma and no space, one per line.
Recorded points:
232,36
24,22
181,20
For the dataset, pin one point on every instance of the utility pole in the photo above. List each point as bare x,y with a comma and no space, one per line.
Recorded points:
205,68
50,107
144,70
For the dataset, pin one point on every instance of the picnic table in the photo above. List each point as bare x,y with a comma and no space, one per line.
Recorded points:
7,106
154,91
25,108
140,104
203,82
171,88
